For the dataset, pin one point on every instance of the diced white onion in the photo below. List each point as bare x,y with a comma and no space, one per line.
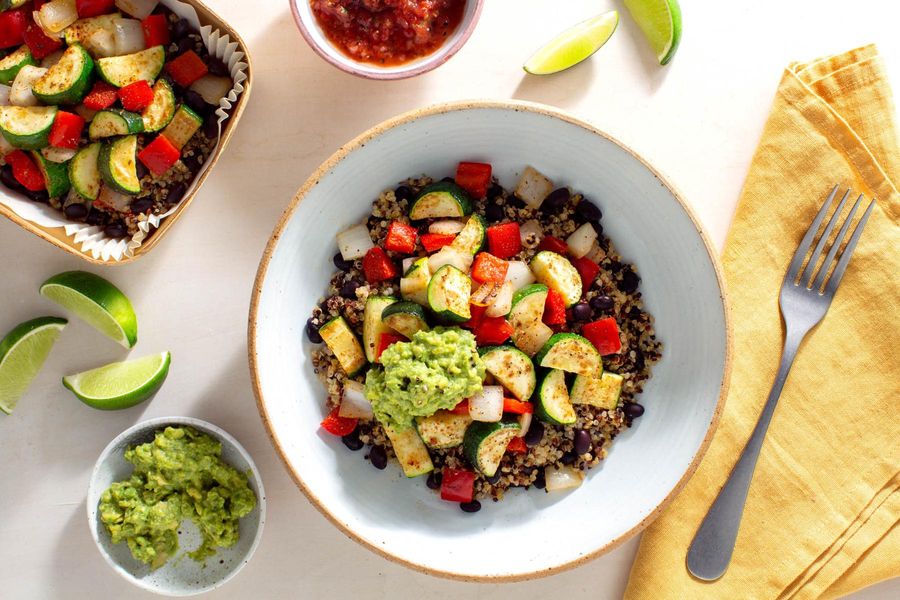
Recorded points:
487,405
532,340
445,227
564,478
5,148
450,256
502,301
485,293
113,199
4,95
354,404
129,36
533,187
20,94
56,15
531,233
597,254
51,59
212,88
354,242
139,9
524,424
58,155
519,275
85,113
581,240
102,43
407,262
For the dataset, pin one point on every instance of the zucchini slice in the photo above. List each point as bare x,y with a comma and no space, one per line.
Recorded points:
602,392
553,405
161,109
443,429
343,344
84,171
448,294
82,30
11,64
122,70
56,175
112,122
414,283
485,444
557,273
471,239
69,80
511,368
527,312
441,199
572,354
183,126
406,318
27,127
410,450
118,166
373,326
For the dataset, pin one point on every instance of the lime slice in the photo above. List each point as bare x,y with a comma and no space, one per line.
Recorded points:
573,45
22,353
660,20
97,302
121,384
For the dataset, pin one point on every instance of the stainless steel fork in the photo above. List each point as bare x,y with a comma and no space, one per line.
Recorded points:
806,294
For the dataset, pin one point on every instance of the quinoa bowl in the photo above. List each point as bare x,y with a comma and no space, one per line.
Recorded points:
658,280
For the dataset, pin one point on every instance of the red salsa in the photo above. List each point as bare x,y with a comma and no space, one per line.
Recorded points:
388,32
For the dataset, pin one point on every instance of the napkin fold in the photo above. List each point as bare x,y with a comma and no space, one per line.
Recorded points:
821,518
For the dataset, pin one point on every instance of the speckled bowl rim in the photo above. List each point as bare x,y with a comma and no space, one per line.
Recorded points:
205,427
360,141
432,62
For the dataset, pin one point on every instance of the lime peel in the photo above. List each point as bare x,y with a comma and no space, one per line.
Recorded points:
121,384
22,354
660,22
573,45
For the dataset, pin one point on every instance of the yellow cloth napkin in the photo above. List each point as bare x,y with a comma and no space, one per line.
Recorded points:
822,512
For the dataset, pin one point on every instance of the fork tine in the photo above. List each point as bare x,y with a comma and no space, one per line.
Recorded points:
835,279
826,264
814,258
806,242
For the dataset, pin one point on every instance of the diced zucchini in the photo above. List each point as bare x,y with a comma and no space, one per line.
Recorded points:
530,341
410,450
58,155
183,126
471,238
118,166
414,283
602,392
81,30
441,199
11,64
343,344
373,326
27,127
511,368
553,404
527,311
448,294
161,109
69,80
406,318
443,429
572,354
84,171
113,122
122,70
485,444
56,175
557,273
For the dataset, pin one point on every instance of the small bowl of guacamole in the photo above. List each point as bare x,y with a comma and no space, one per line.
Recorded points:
176,505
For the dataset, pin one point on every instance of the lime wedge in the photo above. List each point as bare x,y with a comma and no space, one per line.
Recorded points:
573,45
121,384
97,302
660,20
22,353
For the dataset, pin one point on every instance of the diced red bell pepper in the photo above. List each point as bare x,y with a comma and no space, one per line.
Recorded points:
377,266
488,267
94,8
38,42
477,311
12,27
26,171
66,130
435,241
493,331
457,485
335,424
400,238
187,68
604,335
461,409
474,178
136,96
554,244
156,31
101,96
517,407
504,240
386,340
517,445
159,155
588,270
554,308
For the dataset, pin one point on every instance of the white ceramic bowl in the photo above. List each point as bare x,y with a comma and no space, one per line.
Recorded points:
651,226
312,33
180,576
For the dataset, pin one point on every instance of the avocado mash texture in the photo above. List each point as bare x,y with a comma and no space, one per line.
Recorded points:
435,370
178,475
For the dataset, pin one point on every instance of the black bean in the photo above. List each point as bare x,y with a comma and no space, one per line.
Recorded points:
141,205
581,312
340,263
515,202
312,332
217,67
348,290
588,211
181,29
634,313
493,212
211,127
195,101
176,193
494,479
96,217
184,44
434,480
629,282
40,196
116,230
352,441
555,201
568,458
403,192
583,443
448,180
495,191
633,410
76,211
602,303
470,507
193,162
9,180
597,227
535,434
639,361
378,457
540,482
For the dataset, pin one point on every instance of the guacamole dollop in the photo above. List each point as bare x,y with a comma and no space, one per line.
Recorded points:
177,476
435,370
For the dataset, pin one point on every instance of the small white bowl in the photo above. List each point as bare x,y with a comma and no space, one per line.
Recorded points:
180,576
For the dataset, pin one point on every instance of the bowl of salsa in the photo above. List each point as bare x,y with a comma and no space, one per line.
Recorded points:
386,39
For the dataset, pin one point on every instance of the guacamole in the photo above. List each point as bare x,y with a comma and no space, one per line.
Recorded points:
177,476
435,370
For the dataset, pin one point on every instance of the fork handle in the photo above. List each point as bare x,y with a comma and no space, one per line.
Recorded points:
713,544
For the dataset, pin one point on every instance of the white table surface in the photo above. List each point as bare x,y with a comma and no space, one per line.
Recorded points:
698,120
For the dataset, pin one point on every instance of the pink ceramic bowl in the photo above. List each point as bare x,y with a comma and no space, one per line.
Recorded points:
314,36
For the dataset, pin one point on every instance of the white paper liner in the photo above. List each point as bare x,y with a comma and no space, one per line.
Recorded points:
91,238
